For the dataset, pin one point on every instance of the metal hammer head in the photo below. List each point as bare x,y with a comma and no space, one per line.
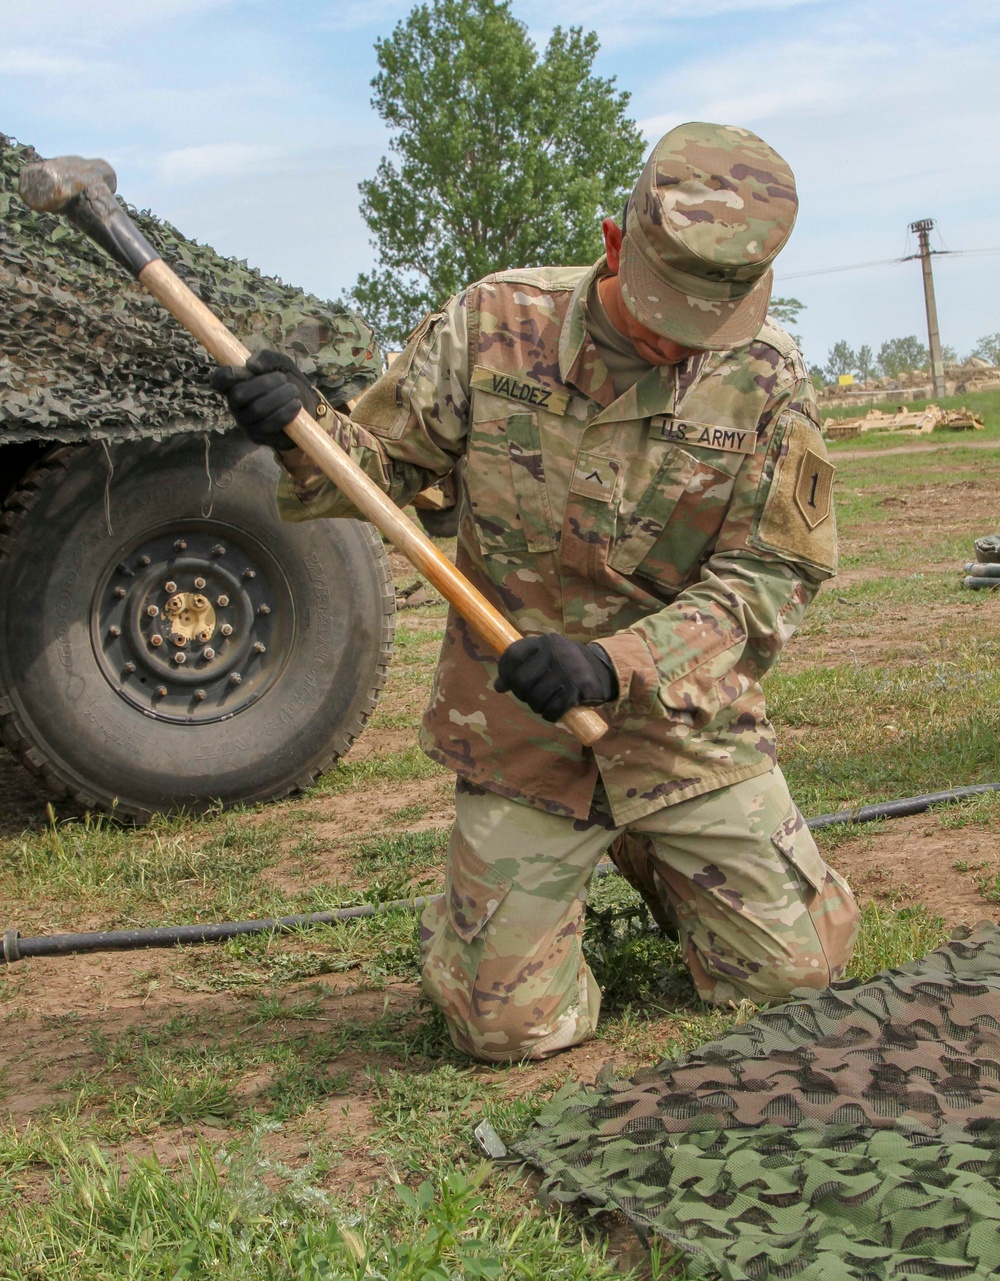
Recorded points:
84,190
48,186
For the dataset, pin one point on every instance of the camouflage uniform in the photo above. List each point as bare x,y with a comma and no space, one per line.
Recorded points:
685,525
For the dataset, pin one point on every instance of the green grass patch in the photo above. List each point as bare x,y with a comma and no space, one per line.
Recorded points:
401,853
395,767
877,734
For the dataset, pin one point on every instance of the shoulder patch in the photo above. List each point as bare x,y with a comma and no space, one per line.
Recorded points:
798,518
814,488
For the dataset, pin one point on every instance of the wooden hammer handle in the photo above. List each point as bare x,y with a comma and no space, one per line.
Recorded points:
418,549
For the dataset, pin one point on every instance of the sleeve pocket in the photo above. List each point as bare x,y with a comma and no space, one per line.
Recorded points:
474,892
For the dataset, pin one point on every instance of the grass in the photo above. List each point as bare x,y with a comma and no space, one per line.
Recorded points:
287,1107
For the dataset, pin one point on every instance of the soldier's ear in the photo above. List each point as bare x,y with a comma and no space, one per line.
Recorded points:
612,243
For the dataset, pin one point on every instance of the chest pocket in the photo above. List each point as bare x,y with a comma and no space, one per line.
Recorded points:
676,519
505,477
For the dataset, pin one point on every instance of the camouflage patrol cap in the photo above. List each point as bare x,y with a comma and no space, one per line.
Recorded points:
713,207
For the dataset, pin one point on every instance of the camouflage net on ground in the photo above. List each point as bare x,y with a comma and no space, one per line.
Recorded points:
85,351
854,1134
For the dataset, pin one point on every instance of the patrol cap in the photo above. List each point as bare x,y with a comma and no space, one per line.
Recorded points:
708,216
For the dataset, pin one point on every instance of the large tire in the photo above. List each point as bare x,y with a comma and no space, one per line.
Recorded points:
168,643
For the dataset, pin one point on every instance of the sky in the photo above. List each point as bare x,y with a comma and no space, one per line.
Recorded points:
248,124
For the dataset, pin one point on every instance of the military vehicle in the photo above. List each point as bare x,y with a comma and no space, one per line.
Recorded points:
166,642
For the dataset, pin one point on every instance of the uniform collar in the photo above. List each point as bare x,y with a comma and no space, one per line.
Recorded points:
582,367
579,364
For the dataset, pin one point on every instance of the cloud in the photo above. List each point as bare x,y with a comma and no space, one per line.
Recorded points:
217,160
20,61
98,20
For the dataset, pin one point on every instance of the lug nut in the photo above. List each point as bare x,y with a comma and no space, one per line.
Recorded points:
226,629
144,561
161,690
180,658
205,635
180,545
170,587
218,550
223,601
264,609
200,695
208,653
259,648
120,592
156,641
199,602
235,679
199,583
249,573
152,610
129,668
114,631
179,639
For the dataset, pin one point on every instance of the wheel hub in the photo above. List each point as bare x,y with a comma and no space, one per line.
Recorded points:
193,628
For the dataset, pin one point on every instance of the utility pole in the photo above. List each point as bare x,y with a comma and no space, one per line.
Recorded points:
923,229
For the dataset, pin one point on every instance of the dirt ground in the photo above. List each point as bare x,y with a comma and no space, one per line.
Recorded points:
54,1007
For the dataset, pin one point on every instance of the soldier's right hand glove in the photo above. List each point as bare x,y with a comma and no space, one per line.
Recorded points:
552,674
265,394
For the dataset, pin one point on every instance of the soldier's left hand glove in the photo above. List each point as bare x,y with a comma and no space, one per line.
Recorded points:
265,394
552,674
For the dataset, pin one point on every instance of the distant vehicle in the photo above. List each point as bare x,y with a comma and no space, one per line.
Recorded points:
166,641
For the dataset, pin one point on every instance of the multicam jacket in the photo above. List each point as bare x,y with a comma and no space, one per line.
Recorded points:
685,525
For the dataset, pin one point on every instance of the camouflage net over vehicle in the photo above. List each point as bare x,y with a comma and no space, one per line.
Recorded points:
854,1134
85,352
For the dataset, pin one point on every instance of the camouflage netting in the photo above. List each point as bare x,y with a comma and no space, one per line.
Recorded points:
854,1134
85,351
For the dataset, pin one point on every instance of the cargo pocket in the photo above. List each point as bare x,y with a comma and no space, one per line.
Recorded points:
675,521
473,891
794,841
506,483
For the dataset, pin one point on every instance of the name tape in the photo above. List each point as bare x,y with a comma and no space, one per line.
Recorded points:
523,390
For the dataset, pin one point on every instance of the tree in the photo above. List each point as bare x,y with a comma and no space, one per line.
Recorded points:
786,312
902,356
841,360
988,349
502,158
864,362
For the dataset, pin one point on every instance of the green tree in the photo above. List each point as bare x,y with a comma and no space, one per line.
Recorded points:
841,360
864,359
786,312
501,158
902,356
988,349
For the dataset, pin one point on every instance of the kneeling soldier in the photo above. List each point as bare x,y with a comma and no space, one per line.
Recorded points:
646,495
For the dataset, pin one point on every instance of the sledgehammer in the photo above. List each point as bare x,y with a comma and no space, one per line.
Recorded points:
84,190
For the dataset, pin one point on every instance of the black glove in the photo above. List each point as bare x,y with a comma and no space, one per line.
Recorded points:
265,394
552,674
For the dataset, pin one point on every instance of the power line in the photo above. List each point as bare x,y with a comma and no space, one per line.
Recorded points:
885,262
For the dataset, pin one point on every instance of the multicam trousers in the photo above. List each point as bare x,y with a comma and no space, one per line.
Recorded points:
758,911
